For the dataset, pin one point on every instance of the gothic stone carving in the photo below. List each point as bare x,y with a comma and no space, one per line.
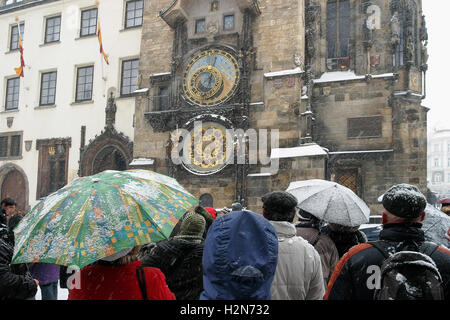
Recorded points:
109,137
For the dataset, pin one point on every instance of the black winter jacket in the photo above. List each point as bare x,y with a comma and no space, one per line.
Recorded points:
350,277
3,219
181,262
15,280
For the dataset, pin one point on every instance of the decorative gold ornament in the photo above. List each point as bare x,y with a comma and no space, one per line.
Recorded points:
211,78
208,150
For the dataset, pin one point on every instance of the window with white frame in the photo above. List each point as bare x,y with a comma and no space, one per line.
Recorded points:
48,88
85,79
88,22
52,29
14,40
12,93
130,71
134,13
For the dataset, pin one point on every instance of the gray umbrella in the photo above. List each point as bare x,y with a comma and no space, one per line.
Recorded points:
436,226
330,202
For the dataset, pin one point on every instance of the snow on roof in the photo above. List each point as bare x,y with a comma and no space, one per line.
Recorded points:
142,162
348,76
290,72
297,152
361,151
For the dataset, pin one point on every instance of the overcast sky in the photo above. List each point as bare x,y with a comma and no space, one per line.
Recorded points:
438,74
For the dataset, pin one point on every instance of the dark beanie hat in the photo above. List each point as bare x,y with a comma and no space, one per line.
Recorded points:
193,225
279,202
404,201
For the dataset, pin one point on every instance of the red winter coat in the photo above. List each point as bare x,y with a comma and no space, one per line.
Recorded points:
120,283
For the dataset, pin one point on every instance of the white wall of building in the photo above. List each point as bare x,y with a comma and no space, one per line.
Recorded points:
66,119
439,161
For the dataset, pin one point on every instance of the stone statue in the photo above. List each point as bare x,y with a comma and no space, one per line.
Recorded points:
110,110
395,30
423,30
424,54
410,48
297,60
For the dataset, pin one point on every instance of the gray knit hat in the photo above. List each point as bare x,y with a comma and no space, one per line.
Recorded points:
405,201
193,225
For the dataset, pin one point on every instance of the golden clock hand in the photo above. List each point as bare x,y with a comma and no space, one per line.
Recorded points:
210,75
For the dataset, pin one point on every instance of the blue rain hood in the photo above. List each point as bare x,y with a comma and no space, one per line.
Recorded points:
239,258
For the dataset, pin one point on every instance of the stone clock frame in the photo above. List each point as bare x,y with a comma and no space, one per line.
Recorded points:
235,110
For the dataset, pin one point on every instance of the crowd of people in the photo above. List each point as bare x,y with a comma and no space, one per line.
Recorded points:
242,255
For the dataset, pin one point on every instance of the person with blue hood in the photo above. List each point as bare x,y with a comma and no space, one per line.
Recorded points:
239,258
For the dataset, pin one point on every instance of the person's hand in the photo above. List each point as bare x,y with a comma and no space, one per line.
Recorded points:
37,282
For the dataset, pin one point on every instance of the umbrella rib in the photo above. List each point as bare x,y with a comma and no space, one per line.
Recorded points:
326,209
151,220
348,210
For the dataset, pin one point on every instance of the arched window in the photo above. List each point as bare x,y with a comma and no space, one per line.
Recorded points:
338,34
206,200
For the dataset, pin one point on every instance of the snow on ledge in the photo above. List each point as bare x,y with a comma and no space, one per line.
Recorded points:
141,90
160,74
349,75
362,151
263,174
282,73
142,162
298,152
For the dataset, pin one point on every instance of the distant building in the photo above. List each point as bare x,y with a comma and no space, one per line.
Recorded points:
60,120
439,161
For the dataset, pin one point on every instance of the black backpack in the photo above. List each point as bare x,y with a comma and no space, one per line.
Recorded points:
408,272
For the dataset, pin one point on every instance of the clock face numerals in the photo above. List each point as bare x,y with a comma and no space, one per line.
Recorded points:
211,78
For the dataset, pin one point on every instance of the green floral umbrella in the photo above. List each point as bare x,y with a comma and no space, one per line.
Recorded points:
94,217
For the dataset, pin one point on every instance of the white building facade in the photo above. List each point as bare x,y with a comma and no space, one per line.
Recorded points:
439,161
71,114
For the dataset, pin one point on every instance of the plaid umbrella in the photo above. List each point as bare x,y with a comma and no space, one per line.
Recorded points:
94,217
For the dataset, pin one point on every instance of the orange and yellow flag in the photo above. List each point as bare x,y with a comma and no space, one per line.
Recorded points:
99,33
19,70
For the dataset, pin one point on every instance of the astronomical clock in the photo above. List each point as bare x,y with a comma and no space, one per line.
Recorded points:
211,78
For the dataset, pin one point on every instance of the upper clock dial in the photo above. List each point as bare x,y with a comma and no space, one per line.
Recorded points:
211,77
